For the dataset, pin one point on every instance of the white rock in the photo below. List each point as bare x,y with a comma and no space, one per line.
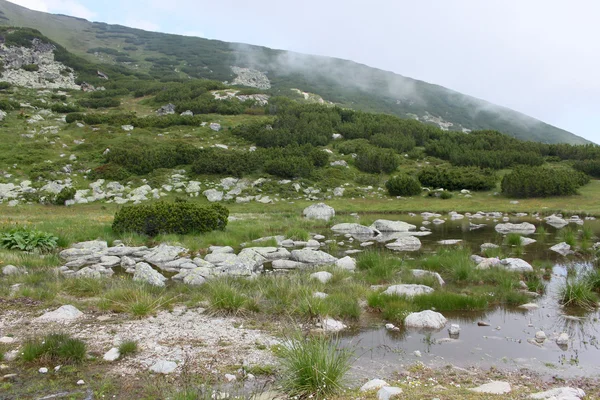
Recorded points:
417,353
80,382
419,273
63,314
10,270
454,330
562,393
425,320
7,340
494,387
392,327
354,229
515,265
523,228
230,378
407,243
163,367
563,339
529,306
320,295
563,249
312,257
112,355
408,290
331,325
322,276
525,241
319,211
43,370
384,225
388,392
540,336
373,384
347,263
145,273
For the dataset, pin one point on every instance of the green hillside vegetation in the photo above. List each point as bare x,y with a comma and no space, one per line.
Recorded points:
168,58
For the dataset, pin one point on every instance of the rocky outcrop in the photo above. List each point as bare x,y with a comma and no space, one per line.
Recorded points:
250,77
50,74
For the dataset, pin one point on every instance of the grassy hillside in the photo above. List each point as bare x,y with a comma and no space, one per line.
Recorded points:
169,57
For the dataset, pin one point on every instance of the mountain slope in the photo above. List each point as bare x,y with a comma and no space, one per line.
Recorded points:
347,83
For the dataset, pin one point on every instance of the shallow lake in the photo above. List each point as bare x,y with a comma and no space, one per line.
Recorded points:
506,343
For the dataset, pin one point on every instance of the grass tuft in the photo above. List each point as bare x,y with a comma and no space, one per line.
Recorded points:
55,347
313,367
578,293
127,348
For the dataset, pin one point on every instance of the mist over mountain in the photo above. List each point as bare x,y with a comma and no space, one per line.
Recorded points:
278,72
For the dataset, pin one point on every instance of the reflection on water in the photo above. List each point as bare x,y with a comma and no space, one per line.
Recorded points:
507,342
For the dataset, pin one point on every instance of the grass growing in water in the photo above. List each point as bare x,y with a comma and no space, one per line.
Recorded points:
380,267
578,293
55,347
448,301
313,367
569,236
513,239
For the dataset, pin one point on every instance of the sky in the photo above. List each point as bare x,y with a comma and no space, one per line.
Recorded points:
539,57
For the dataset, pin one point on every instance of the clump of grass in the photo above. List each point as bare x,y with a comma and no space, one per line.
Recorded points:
448,301
587,233
84,287
454,263
569,236
380,267
297,234
393,308
578,293
513,239
225,297
541,233
313,367
592,278
135,298
534,282
127,348
55,347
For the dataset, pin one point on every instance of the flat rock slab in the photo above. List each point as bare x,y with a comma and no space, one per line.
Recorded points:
63,314
407,243
163,367
408,290
384,225
563,393
494,387
523,228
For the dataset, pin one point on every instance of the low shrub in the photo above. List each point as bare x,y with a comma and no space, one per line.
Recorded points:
445,195
162,217
525,182
225,162
111,172
28,240
313,366
590,167
8,105
31,67
105,102
375,160
64,109
458,178
5,85
351,146
403,185
294,167
54,348
67,193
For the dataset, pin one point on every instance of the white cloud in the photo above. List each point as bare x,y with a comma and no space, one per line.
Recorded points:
68,7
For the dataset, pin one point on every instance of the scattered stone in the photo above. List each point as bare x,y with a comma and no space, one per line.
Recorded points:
563,249
482,323
213,195
167,109
163,367
556,222
145,273
525,241
347,263
408,290
563,393
524,228
494,387
392,327
540,336
449,242
320,295
80,382
425,320
43,370
417,353
407,243
516,265
7,340
373,384
312,257
215,126
112,355
420,273
529,306
383,225
127,128
388,392
322,276
563,339
454,330
230,378
10,270
354,229
331,325
63,314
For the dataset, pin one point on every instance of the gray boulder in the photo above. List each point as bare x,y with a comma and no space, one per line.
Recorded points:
562,393
163,367
312,257
407,243
167,109
62,314
145,273
213,195
354,229
420,273
563,249
383,225
425,320
288,264
347,263
322,276
515,265
163,253
408,290
319,211
10,270
524,228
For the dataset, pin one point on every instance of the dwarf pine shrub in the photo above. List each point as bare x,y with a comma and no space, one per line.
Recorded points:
403,185
525,182
164,218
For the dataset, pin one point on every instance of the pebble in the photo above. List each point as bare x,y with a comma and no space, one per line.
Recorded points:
81,382
43,370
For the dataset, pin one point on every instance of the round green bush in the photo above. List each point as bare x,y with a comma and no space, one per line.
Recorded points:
375,160
67,193
403,185
458,178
